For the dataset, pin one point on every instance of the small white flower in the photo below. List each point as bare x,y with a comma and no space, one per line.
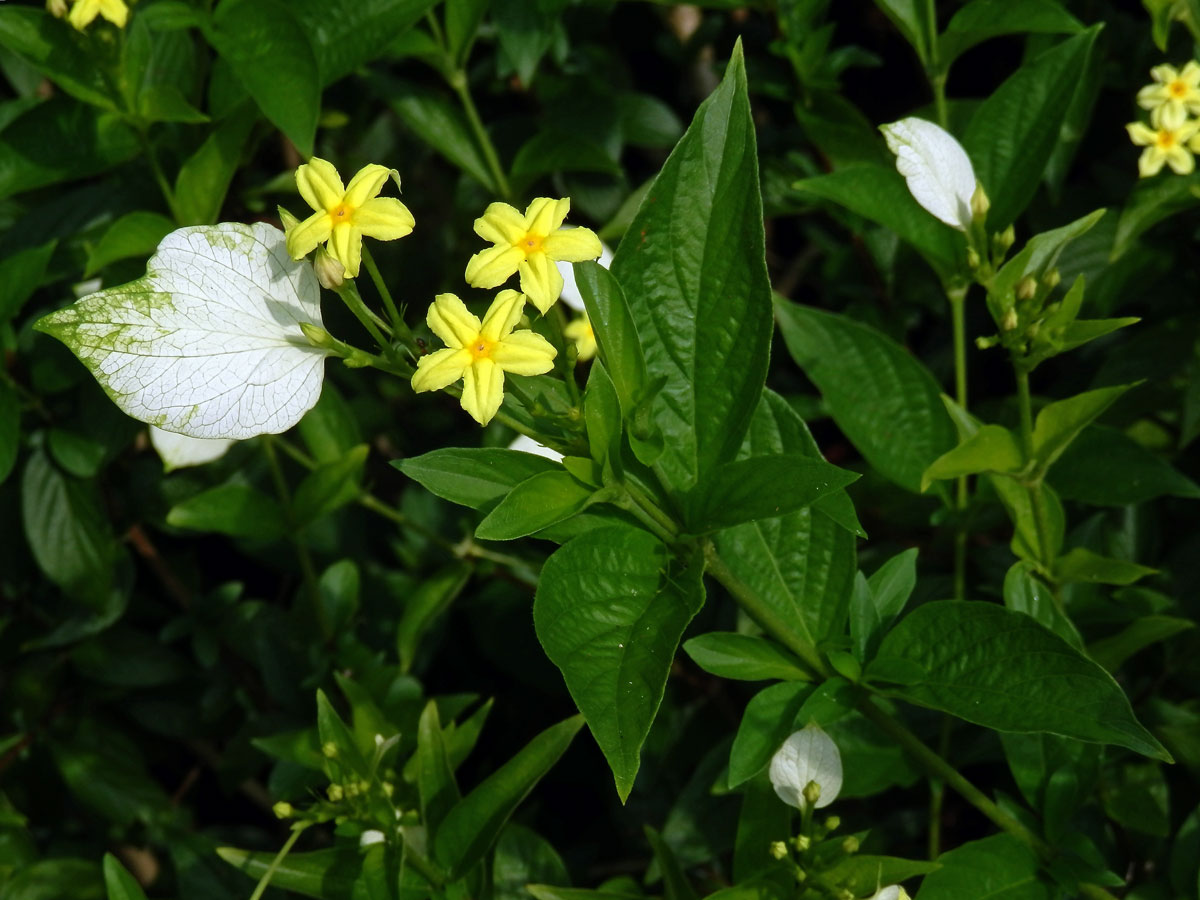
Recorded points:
179,450
526,444
936,167
807,757
570,292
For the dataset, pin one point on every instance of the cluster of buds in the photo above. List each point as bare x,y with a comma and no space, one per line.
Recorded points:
1031,327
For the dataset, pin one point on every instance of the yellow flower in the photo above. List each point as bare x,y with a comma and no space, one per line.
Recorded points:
344,215
1175,93
84,11
481,352
580,331
1167,143
529,244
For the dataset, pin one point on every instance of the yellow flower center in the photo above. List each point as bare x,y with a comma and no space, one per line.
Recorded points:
341,213
531,243
1165,139
1177,88
481,348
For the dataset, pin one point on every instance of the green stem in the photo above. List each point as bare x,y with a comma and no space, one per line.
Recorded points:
423,866
160,177
458,81
938,84
354,302
1025,405
399,327
957,297
277,862
652,509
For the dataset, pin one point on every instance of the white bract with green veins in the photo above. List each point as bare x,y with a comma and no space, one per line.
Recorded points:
936,167
208,343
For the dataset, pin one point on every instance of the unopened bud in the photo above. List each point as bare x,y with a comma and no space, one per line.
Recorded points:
1051,279
850,845
833,823
979,203
56,8
1004,239
987,343
388,788
778,849
283,810
802,842
330,272
330,750
1026,288
845,894
973,260
334,793
351,790
812,793
364,786
1009,322
1032,331
318,337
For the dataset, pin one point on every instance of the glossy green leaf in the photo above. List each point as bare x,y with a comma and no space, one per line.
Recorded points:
55,878
616,334
1014,131
997,866
136,234
882,398
914,20
1058,423
981,20
435,778
769,718
321,874
1025,593
602,415
120,884
269,51
862,874
1081,564
462,23
534,504
473,824
1142,632
1104,467
802,564
892,584
329,486
1151,201
1035,537
1040,254
20,275
523,856
205,176
1003,670
234,509
477,478
345,34
57,51
744,657
693,263
610,610
341,751
991,449
431,598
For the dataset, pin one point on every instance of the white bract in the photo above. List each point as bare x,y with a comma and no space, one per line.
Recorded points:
809,755
936,167
891,892
526,444
179,450
570,292
208,344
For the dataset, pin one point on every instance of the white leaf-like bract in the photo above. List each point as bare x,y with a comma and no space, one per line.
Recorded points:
178,450
936,167
526,444
891,892
570,292
808,755
208,343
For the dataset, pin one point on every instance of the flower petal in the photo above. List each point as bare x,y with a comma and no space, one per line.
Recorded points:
936,167
1152,95
115,11
83,12
319,184
1151,162
1180,160
345,245
808,755
544,215
503,315
440,369
573,245
500,224
540,281
524,353
1141,133
483,390
449,319
1163,74
367,182
302,239
384,218
492,267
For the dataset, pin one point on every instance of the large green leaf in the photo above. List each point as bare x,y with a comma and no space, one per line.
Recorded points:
235,509
345,34
744,657
915,20
473,824
885,401
1014,132
321,874
609,611
474,477
999,867
694,266
981,20
1059,422
205,176
534,504
435,778
20,275
802,564
1003,670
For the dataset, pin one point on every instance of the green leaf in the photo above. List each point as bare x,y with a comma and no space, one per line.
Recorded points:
20,275
237,510
616,335
1112,651
534,504
999,866
879,193
269,52
435,778
322,874
53,879
1039,255
675,883
744,657
1014,132
205,176
1028,539
1104,467
769,718
695,254
462,23
342,754
551,150
10,429
990,449
71,539
981,20
1002,670
477,478
610,609
1058,423
1151,201
602,415
913,19
801,565
892,585
862,874
885,401
761,487
329,487
475,821
1081,564
525,33
431,598
135,234
522,856
56,50
120,884
345,34
1024,593
441,125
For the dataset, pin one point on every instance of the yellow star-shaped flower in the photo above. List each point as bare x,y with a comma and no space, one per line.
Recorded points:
481,352
1174,94
84,11
1167,143
580,331
529,244
345,215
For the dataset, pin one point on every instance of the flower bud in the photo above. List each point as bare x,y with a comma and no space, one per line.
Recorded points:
973,260
57,8
850,844
330,272
833,823
388,788
1026,288
979,203
802,842
1051,279
319,337
1009,322
812,793
778,849
334,793
1003,240
283,810
329,749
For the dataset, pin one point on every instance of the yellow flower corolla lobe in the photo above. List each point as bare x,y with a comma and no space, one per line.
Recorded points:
83,12
529,244
345,214
580,331
1166,144
481,352
1174,94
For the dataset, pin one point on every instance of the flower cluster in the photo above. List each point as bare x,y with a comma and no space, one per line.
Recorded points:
1173,135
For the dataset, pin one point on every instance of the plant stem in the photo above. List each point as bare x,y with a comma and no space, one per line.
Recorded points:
277,861
458,81
399,327
354,302
957,297
1025,405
